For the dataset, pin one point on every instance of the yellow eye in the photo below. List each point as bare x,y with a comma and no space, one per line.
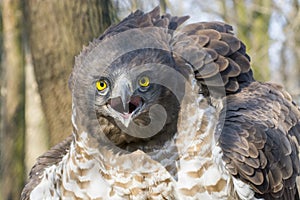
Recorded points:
101,85
144,81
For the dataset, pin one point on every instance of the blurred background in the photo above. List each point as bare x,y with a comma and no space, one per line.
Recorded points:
40,38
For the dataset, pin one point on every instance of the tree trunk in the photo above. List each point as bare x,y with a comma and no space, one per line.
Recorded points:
36,135
13,103
57,32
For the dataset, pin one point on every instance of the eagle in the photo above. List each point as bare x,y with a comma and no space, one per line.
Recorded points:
164,111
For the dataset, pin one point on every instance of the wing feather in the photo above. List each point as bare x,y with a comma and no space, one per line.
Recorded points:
256,138
225,51
51,157
259,144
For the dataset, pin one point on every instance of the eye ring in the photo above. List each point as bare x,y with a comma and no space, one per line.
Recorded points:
144,81
102,86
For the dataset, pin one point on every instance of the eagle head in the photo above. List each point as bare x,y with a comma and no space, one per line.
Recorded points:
131,83
137,94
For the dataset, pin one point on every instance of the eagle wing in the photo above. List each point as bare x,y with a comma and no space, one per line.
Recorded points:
259,140
259,125
51,157
218,58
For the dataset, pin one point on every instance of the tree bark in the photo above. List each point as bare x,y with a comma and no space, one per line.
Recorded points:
13,103
36,136
57,32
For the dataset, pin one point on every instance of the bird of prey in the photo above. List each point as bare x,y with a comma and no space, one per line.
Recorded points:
163,111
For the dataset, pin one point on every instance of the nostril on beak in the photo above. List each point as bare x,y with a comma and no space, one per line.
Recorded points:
117,105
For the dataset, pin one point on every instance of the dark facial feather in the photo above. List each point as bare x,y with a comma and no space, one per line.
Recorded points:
132,66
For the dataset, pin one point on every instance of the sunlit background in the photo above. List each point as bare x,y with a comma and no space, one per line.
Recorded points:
39,40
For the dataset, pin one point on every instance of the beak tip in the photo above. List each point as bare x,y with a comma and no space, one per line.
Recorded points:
126,121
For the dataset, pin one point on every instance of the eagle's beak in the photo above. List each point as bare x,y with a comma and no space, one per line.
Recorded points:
124,103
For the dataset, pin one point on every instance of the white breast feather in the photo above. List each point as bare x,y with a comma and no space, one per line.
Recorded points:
200,167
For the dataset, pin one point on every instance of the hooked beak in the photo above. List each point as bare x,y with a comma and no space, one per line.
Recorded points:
123,104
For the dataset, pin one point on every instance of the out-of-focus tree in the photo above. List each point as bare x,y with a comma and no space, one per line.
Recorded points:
289,69
57,31
252,20
12,102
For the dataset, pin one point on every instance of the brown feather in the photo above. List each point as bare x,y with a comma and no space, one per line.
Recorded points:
222,63
51,157
271,153
220,47
229,54
233,43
